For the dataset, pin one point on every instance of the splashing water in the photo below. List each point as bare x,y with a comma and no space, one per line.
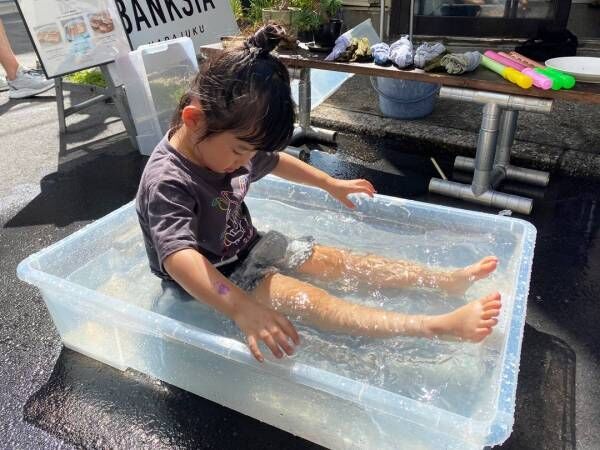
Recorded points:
459,377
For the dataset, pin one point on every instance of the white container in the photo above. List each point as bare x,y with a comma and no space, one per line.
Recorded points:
155,76
413,394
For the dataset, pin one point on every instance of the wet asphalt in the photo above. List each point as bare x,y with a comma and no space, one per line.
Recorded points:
56,398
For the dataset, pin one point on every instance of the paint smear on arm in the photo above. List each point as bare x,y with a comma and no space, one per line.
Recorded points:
221,288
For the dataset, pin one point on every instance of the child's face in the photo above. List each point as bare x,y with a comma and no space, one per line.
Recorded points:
223,152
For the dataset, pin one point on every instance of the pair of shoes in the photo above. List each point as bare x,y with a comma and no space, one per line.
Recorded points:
400,53
28,83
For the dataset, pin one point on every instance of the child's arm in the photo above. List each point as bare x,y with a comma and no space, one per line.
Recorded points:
293,169
192,271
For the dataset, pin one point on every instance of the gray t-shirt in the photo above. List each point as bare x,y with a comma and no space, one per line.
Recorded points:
182,205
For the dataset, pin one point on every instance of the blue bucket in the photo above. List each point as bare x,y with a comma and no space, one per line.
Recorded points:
405,99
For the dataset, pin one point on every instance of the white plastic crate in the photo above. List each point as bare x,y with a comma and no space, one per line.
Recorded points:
155,76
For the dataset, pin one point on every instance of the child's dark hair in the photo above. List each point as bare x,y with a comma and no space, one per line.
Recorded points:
246,90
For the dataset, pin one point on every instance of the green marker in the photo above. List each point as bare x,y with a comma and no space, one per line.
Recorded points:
557,82
568,81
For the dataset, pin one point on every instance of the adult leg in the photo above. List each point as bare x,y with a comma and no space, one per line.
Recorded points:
317,307
331,263
7,57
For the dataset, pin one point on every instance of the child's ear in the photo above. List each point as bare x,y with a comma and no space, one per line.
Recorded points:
192,116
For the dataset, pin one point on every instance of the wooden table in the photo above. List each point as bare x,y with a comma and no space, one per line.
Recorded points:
501,102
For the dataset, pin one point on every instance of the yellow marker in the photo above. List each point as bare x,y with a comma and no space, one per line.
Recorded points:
508,73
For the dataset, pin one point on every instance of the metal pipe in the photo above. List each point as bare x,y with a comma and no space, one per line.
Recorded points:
294,151
514,173
486,147
411,20
531,176
514,102
381,18
506,137
314,133
489,198
498,176
304,89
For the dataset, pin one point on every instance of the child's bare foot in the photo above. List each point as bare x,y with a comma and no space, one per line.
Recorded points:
460,280
472,322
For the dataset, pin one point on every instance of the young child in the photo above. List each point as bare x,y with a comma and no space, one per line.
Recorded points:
198,232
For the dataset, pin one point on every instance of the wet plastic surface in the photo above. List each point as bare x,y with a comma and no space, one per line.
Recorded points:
130,335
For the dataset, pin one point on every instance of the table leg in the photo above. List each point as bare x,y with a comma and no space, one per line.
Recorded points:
491,164
480,191
502,167
304,130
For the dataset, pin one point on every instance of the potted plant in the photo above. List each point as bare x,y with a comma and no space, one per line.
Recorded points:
331,25
307,20
281,13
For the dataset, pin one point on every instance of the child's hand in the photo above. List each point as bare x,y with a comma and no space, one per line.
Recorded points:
259,322
340,189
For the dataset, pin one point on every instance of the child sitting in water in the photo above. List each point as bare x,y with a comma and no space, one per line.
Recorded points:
226,134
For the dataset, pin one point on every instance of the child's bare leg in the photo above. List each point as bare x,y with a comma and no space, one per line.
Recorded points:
331,263
315,306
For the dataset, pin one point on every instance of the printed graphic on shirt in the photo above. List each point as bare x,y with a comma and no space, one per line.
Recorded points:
236,223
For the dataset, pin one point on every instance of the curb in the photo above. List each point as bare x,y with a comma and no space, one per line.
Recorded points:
553,159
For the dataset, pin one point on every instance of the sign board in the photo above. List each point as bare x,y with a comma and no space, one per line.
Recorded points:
204,21
71,35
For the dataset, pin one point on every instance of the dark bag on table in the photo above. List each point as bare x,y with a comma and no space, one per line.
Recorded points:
550,44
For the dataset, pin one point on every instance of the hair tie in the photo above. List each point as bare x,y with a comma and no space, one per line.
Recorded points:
265,39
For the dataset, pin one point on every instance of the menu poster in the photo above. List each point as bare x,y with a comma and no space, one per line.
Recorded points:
150,21
71,35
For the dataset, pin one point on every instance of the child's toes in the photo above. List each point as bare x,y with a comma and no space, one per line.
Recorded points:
488,323
492,304
481,334
490,314
493,298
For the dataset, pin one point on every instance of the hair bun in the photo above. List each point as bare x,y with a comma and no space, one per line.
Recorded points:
266,38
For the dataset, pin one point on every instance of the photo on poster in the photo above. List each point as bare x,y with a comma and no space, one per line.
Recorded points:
72,35
75,29
101,22
48,35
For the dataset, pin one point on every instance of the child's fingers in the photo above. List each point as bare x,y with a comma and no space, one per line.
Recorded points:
367,185
283,342
347,202
253,346
268,339
367,191
289,329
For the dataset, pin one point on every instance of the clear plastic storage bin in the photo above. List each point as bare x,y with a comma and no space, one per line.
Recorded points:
155,76
338,391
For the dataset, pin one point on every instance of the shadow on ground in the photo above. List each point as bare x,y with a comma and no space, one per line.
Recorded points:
89,404
545,411
92,405
100,184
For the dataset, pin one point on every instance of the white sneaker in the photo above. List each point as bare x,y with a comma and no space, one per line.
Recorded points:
28,83
3,83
